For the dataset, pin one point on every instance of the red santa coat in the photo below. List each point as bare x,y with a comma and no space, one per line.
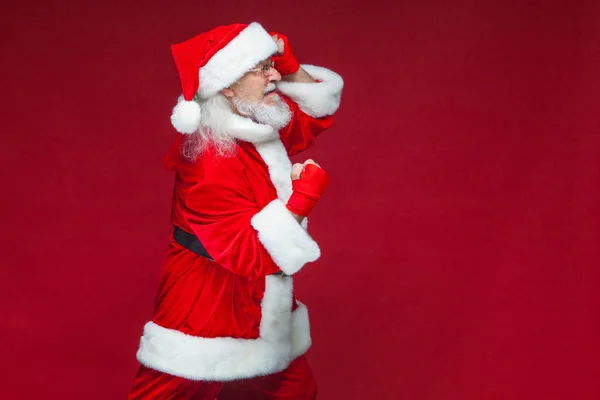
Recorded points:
232,318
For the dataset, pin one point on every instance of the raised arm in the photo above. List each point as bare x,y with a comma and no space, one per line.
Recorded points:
313,93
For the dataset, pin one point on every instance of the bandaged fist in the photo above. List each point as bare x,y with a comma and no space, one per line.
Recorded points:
285,60
298,168
309,182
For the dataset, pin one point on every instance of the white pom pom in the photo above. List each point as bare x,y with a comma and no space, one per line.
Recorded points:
186,116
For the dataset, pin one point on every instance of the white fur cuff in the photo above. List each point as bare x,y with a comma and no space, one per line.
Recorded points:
288,243
316,99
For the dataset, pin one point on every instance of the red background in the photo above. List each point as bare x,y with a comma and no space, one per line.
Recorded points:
460,233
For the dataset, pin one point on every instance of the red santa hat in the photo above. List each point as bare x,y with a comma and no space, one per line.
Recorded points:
212,61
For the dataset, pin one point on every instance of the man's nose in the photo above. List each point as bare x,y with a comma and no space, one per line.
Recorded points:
274,75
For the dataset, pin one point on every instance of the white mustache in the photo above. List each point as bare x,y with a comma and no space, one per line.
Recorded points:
270,87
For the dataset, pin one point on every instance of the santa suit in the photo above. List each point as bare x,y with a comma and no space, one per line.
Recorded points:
231,325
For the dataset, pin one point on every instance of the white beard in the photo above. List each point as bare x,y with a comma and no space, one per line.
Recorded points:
277,115
216,113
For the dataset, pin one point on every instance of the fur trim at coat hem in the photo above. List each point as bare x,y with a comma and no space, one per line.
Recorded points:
226,359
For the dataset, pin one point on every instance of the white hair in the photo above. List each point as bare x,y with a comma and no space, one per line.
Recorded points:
217,110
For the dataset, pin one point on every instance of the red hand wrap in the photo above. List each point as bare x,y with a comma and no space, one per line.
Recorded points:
307,190
286,63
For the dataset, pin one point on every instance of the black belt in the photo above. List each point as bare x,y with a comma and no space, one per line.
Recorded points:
190,242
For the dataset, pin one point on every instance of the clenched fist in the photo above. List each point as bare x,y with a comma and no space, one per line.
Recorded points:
298,168
309,182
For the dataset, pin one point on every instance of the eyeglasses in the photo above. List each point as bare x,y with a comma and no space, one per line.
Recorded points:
265,69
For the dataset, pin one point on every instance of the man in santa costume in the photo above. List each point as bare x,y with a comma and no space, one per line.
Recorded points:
226,323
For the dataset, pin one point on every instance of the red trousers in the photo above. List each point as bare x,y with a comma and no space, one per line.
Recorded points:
296,382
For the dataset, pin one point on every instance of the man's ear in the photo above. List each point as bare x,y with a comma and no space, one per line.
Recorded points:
228,92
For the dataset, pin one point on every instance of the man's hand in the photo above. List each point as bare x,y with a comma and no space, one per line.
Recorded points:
309,182
280,44
285,61
298,168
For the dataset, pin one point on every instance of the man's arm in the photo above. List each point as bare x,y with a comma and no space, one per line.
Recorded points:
222,213
300,76
316,90
313,94
287,64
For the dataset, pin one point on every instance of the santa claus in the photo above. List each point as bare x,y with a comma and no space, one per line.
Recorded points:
226,323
